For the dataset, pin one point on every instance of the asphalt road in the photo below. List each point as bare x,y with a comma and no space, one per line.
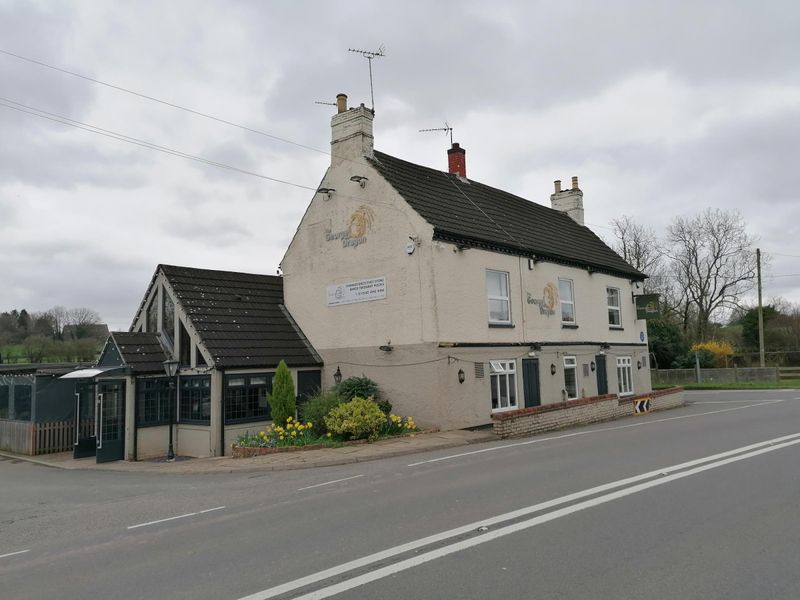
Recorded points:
698,502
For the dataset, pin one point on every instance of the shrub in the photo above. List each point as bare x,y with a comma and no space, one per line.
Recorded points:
358,419
317,408
362,387
282,398
720,350
385,406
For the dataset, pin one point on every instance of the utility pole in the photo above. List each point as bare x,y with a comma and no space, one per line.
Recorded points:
760,312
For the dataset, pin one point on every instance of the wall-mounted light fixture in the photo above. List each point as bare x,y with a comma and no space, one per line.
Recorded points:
590,270
461,376
552,369
386,347
592,366
327,191
337,377
638,364
360,180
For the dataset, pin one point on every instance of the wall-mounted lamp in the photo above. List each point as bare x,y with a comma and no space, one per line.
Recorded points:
386,348
592,366
337,377
327,191
461,376
360,180
552,369
638,364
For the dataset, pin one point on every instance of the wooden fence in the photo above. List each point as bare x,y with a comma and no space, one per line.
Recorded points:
24,437
789,372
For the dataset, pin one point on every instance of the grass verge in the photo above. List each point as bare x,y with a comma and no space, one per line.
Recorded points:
785,384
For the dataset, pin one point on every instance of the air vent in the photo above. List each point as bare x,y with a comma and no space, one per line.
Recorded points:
478,370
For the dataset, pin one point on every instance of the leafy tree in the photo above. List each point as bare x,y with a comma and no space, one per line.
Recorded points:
666,342
36,347
749,323
282,399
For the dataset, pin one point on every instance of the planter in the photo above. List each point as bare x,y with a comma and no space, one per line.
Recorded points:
248,452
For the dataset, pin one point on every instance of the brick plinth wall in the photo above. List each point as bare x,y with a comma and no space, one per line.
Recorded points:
548,417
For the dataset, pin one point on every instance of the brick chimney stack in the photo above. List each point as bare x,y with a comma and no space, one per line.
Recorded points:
351,132
568,201
457,161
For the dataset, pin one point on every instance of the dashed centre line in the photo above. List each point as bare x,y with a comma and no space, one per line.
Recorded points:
191,514
308,487
13,553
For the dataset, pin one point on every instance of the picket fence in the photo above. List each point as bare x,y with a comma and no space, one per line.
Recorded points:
24,437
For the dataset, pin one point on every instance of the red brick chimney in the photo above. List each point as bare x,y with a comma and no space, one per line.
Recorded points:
457,160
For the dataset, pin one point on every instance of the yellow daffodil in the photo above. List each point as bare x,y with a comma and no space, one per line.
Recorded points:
329,434
289,419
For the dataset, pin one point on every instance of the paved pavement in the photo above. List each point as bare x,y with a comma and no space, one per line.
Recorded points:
283,461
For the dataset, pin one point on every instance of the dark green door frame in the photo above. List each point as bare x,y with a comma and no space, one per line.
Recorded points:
110,420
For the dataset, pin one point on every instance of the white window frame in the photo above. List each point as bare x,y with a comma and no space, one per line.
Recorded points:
571,364
505,370
625,375
614,309
506,299
570,302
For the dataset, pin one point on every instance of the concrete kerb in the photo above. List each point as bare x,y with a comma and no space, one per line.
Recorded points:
328,457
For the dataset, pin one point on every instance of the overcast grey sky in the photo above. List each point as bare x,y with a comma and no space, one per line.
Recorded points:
661,108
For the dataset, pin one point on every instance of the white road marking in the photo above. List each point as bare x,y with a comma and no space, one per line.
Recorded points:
13,553
733,401
664,473
308,487
208,510
191,514
593,431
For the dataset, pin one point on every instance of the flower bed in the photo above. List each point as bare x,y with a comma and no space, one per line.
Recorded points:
297,436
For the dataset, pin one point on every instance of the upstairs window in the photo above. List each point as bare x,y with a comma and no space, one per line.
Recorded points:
567,297
168,316
152,314
614,316
497,293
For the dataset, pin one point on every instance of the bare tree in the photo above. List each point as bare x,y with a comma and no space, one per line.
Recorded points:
640,247
59,316
714,260
80,321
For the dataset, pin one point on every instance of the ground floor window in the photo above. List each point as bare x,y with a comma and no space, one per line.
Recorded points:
195,399
246,397
153,398
571,377
503,381
23,396
4,398
624,375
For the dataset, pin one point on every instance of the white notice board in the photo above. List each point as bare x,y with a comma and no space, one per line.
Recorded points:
363,290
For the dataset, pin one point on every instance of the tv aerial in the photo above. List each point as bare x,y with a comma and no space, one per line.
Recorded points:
447,129
369,55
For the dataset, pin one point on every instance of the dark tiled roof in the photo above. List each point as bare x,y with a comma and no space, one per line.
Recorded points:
240,317
142,352
476,214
